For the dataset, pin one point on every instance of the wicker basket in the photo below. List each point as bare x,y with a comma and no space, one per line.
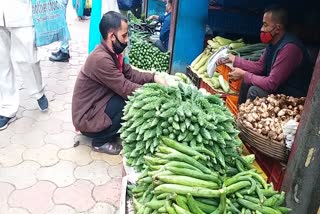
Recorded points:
272,148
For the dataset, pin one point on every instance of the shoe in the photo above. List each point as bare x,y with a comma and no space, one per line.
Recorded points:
60,57
108,148
4,121
56,53
43,103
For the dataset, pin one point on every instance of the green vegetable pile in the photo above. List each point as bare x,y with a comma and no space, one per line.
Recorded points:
177,181
183,114
143,54
148,57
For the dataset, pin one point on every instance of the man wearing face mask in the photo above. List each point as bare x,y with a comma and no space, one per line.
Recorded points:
284,67
104,84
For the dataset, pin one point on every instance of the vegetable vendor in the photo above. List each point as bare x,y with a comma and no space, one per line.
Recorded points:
103,85
165,21
284,67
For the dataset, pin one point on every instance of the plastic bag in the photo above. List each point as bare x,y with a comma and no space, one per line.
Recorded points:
49,19
109,5
129,4
289,132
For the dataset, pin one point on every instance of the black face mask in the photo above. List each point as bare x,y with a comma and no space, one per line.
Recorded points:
118,47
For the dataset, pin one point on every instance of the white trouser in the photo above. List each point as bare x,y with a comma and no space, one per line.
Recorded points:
18,54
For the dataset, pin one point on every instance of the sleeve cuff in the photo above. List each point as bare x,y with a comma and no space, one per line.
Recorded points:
247,78
236,62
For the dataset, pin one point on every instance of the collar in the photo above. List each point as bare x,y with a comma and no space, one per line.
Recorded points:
105,46
118,58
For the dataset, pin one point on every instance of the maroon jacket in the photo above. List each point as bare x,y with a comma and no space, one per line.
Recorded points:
99,79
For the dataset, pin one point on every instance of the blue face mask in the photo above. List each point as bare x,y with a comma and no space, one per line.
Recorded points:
118,47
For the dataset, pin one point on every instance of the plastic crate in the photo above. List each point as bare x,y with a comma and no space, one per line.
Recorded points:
232,22
273,168
209,89
195,79
232,104
224,71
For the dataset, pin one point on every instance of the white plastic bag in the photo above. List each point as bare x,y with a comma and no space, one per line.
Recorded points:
289,131
109,5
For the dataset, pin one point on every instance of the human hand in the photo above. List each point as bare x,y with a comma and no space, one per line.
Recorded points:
150,18
224,60
236,74
159,79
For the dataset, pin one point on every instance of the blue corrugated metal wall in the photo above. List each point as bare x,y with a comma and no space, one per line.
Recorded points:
156,7
190,31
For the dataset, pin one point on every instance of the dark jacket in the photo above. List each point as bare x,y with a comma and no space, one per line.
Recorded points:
165,20
99,79
298,82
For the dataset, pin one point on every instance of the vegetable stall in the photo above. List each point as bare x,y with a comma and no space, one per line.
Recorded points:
184,144
183,141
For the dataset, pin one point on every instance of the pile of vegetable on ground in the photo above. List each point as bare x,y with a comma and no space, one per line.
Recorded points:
177,181
267,115
183,114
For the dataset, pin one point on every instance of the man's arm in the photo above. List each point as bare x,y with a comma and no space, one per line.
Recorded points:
109,75
288,59
250,66
136,76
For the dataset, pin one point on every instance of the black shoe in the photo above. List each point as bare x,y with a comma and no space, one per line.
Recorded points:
56,53
60,57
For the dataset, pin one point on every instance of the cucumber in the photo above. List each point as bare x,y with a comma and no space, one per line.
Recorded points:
224,84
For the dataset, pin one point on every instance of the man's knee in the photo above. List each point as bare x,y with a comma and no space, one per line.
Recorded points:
255,91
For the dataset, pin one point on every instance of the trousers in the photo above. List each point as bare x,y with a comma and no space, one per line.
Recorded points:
18,55
114,110
250,92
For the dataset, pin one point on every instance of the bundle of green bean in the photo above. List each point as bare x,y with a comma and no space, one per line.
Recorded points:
183,114
177,182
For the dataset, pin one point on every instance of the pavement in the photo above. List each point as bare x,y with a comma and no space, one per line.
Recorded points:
41,172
